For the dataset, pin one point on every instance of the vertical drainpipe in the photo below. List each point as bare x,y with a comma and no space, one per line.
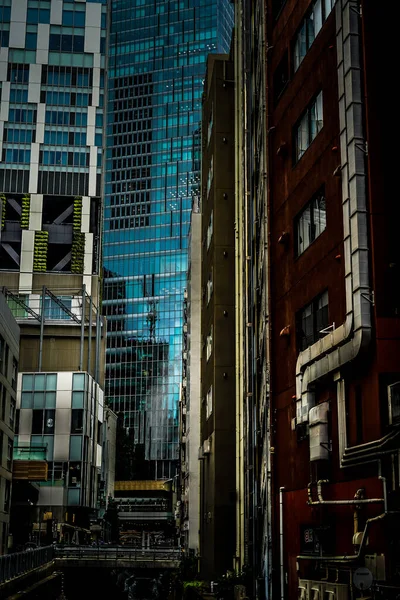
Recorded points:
42,303
89,367
239,559
282,567
97,357
82,327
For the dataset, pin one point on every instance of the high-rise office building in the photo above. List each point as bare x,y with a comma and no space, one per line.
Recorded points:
52,66
52,93
156,70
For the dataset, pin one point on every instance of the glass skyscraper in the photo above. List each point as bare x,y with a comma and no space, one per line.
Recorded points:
156,68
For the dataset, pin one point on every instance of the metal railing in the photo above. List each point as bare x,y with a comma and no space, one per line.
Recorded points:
13,565
119,553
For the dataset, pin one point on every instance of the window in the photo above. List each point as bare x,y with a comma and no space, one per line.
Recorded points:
9,454
14,155
74,474
277,6
20,115
38,15
77,420
209,286
309,125
210,126
7,494
99,434
310,223
12,413
209,402
3,400
312,321
52,310
210,230
309,29
210,175
43,422
2,346
281,77
209,343
79,381
30,41
14,373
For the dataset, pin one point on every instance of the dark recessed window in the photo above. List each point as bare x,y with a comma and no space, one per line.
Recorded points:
309,29
281,77
277,6
310,223
43,422
312,321
308,126
77,420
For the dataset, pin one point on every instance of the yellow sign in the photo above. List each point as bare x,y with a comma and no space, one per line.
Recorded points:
143,485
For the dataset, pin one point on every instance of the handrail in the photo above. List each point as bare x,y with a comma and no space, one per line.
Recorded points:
14,565
118,552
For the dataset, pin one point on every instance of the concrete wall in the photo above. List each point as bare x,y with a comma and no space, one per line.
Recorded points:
217,524
194,397
9,349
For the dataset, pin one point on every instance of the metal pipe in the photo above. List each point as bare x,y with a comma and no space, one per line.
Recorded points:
82,327
96,364
89,367
383,479
339,502
281,490
346,557
42,304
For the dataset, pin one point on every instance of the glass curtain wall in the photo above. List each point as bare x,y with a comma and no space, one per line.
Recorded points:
156,69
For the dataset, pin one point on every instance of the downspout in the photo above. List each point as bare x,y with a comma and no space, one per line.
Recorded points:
352,337
270,491
239,559
282,568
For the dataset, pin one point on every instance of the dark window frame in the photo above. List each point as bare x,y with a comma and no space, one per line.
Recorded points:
312,320
313,235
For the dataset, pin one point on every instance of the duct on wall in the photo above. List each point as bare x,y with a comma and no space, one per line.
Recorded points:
344,343
358,499
318,428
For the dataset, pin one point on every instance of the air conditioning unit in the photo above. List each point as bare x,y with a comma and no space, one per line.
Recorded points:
336,591
185,294
185,328
184,382
184,355
394,402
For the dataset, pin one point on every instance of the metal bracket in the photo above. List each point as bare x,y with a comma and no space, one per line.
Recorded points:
326,445
370,297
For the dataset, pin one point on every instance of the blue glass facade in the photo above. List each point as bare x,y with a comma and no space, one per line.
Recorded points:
156,67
